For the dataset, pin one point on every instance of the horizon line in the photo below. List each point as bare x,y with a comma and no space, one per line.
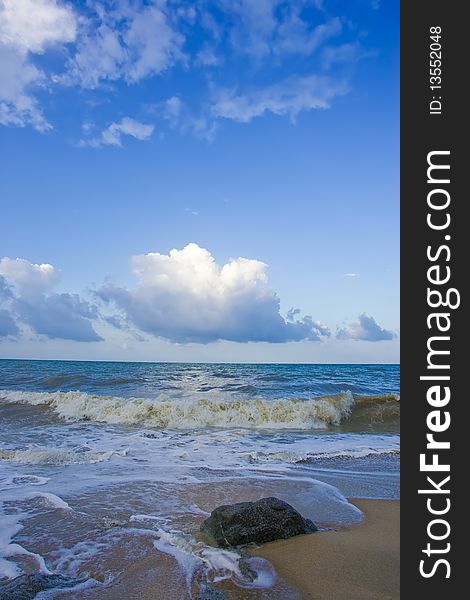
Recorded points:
195,362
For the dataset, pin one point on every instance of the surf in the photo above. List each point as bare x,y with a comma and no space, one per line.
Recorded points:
214,412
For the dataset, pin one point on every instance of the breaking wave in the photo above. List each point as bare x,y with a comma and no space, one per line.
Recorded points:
196,412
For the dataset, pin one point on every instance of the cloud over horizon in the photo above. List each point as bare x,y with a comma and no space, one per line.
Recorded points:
365,329
186,296
26,298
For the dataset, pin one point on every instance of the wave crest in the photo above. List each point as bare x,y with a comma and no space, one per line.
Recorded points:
187,413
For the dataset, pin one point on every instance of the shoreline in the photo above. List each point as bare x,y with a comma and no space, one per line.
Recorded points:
354,562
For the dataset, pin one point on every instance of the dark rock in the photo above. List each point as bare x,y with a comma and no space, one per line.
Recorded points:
210,593
263,521
25,587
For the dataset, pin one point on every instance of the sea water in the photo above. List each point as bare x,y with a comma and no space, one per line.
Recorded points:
102,458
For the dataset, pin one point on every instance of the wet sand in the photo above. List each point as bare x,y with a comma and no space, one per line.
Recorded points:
358,562
355,562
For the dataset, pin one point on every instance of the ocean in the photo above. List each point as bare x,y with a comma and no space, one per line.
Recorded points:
107,463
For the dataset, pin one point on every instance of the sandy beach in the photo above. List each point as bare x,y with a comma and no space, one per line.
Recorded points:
359,562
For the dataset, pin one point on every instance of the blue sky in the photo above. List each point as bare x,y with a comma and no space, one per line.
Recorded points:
258,142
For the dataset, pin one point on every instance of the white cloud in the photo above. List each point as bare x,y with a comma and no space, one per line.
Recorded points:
28,27
180,117
344,54
17,106
366,329
153,45
26,298
124,42
172,109
112,135
350,274
32,25
8,327
60,316
288,97
254,24
267,28
29,279
186,296
207,57
295,36
100,56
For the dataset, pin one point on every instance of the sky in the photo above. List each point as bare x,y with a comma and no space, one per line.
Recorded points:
214,180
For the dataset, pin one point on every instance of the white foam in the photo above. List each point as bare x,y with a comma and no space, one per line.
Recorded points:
55,456
11,526
8,570
143,518
187,413
221,564
51,499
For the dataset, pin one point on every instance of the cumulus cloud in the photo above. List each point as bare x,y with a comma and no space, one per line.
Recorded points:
30,279
26,298
292,312
366,329
63,316
112,135
288,97
185,296
8,327
28,27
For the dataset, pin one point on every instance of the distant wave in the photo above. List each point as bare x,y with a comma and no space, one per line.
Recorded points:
67,380
187,413
62,380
